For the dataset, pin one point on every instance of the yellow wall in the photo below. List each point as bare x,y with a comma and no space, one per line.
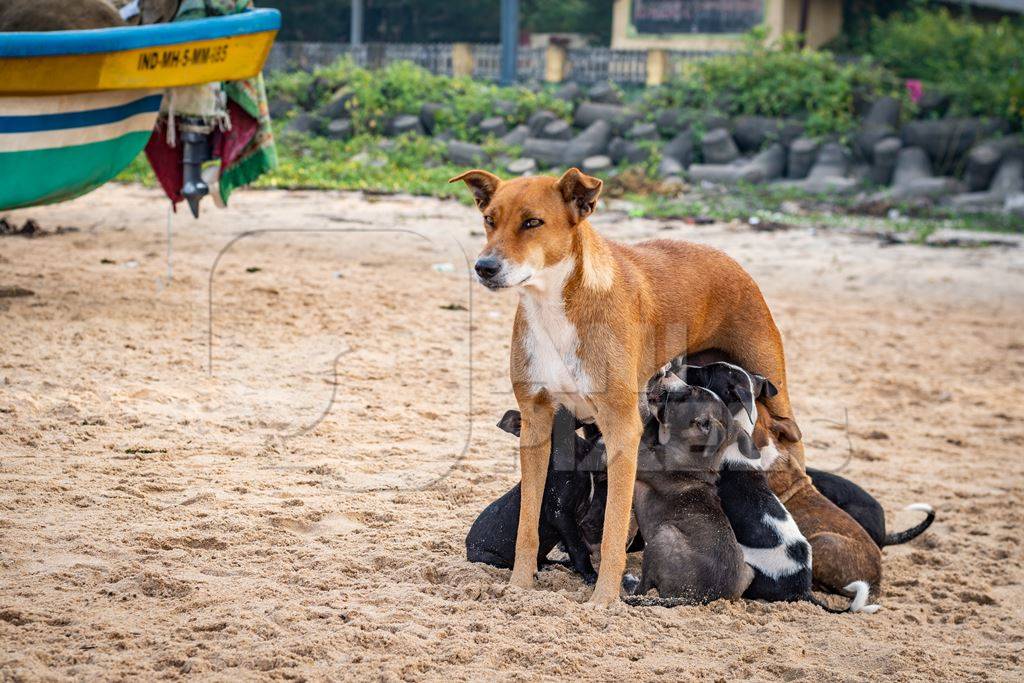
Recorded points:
824,21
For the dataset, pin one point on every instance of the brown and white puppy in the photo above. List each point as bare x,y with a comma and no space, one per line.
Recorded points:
595,320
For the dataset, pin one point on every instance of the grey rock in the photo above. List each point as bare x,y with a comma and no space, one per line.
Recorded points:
337,106
538,120
569,92
723,174
642,131
557,130
465,153
505,107
303,122
976,201
802,154
680,148
883,112
626,151
884,160
718,147
339,129
670,167
947,140
279,106
866,139
1009,178
618,116
590,142
405,123
936,187
605,93
829,170
753,132
473,119
912,164
599,163
672,121
547,152
1014,204
522,166
428,116
766,165
516,137
494,126
984,159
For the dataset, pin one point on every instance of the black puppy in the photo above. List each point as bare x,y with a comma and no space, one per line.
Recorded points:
862,506
691,556
769,537
568,493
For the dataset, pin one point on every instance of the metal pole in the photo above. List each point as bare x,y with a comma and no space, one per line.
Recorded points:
509,40
356,35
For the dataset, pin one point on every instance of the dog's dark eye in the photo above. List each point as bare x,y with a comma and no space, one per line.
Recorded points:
489,221
532,223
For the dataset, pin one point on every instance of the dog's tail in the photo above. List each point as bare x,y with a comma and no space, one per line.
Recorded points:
860,590
913,532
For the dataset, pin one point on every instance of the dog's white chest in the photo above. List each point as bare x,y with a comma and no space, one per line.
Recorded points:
551,343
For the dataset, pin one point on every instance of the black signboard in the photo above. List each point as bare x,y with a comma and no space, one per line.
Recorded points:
697,16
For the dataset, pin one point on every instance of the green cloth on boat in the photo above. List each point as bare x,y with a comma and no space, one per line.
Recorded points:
260,155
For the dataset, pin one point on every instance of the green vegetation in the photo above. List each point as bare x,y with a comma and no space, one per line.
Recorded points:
979,65
810,85
402,88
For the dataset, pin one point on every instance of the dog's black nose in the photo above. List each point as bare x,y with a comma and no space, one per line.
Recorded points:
487,267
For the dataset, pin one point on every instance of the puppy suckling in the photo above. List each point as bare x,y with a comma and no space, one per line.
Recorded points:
863,507
570,490
690,553
771,542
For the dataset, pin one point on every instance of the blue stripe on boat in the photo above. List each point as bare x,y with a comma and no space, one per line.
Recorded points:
78,119
43,44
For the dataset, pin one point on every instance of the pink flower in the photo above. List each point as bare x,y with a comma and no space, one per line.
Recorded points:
915,89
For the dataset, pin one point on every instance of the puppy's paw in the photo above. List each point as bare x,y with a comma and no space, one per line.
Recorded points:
589,578
630,583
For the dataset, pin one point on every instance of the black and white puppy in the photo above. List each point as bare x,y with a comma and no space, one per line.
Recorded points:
863,507
569,492
772,544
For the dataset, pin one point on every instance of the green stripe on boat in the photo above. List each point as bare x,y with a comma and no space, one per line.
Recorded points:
46,176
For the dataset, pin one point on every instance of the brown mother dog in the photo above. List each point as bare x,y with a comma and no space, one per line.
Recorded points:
596,319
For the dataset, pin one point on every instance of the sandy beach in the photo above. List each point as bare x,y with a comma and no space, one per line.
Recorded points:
297,509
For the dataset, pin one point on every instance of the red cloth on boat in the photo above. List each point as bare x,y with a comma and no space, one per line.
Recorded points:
227,146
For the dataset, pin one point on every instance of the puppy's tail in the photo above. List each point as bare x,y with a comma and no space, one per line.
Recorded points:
913,532
860,590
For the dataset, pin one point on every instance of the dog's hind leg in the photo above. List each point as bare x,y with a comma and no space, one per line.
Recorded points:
534,453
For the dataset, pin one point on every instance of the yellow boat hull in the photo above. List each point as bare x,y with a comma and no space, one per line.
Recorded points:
159,56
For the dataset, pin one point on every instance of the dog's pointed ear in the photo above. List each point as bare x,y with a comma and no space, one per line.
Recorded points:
785,429
580,193
763,387
481,183
511,422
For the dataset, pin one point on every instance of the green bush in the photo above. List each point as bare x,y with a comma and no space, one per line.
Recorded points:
979,65
810,85
402,88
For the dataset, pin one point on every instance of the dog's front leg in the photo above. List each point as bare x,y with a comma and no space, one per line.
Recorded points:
534,453
622,429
